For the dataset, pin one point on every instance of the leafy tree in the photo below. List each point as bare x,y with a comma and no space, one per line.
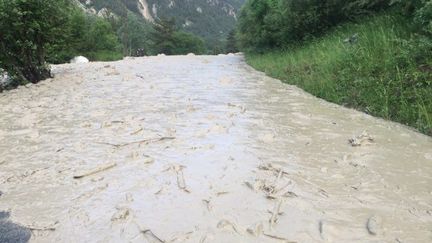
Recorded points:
134,35
101,36
163,36
185,43
27,28
423,17
86,35
231,44
168,40
73,42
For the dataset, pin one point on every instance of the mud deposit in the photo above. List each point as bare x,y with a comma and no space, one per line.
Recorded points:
204,149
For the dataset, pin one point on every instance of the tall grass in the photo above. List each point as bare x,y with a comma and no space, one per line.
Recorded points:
384,72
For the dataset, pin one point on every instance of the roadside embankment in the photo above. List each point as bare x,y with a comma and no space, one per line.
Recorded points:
375,66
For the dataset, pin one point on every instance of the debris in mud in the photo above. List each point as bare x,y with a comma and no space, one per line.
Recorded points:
373,224
49,227
121,214
90,193
242,108
182,237
113,72
98,179
207,204
323,193
181,183
145,141
279,238
148,160
248,184
96,170
151,236
321,227
221,193
23,176
218,129
272,167
158,191
226,224
272,189
256,229
137,131
275,213
362,139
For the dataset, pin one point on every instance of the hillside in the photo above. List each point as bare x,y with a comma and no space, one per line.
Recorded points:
379,63
211,19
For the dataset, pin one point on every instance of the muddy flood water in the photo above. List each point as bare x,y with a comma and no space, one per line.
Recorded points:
203,149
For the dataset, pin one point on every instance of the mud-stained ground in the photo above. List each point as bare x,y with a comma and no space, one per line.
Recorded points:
203,149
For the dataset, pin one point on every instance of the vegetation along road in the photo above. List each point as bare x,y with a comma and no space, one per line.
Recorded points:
203,149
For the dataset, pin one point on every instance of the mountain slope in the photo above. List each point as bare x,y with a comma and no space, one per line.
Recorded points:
210,19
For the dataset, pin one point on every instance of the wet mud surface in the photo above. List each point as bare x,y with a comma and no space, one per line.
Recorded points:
204,149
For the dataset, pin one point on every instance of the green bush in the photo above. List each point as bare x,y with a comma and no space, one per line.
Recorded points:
168,40
27,29
134,34
186,43
423,17
265,24
86,35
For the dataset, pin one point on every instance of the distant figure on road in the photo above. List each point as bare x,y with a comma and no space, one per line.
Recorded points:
140,52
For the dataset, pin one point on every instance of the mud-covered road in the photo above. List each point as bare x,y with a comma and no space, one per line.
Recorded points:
204,149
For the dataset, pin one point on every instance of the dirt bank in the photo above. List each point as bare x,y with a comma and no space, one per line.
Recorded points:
204,149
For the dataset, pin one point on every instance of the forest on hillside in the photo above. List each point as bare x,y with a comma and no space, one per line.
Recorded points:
211,20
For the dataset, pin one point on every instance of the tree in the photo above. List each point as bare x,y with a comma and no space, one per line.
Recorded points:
185,43
134,35
166,39
231,44
163,36
85,35
423,17
101,36
27,28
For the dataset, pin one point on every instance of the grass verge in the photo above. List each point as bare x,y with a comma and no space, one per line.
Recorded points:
385,71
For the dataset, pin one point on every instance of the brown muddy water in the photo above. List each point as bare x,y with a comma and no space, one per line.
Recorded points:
204,149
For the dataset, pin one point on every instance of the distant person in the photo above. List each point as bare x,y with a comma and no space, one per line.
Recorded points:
140,52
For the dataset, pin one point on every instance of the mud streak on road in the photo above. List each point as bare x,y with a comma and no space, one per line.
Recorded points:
204,149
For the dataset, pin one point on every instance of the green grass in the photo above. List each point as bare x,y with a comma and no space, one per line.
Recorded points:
386,73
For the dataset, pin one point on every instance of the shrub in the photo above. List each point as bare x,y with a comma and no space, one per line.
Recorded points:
168,40
27,28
